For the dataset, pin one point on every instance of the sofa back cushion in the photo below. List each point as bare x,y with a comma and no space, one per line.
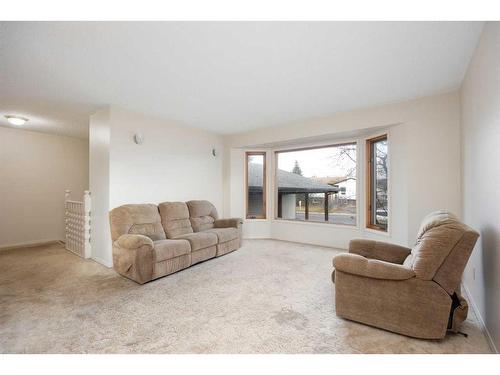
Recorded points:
202,215
449,275
136,219
439,241
175,218
435,219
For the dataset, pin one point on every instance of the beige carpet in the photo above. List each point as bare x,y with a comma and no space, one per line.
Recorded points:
267,297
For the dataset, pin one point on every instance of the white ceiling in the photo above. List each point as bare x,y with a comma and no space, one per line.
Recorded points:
227,77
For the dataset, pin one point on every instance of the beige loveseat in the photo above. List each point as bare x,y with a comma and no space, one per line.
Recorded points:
415,292
151,241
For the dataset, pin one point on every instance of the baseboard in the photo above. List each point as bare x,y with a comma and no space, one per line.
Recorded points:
480,318
102,261
29,244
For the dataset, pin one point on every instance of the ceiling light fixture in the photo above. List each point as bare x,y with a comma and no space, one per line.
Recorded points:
16,120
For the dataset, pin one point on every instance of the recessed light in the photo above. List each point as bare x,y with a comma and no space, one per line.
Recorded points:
16,120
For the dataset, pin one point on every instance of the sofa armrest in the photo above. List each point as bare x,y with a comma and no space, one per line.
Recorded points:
372,268
384,251
133,257
228,223
133,241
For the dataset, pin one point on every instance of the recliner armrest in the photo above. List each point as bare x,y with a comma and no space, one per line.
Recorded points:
134,241
384,251
228,223
372,268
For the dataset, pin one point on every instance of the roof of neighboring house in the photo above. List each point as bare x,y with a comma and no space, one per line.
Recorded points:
333,180
287,182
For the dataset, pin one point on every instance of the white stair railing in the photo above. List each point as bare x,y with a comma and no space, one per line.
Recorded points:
77,219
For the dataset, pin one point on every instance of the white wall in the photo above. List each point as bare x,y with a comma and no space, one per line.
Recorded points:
35,170
424,144
99,142
174,163
481,175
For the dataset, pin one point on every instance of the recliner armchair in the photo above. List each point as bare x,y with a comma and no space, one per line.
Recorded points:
414,292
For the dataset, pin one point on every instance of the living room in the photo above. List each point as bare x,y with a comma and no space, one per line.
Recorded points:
253,187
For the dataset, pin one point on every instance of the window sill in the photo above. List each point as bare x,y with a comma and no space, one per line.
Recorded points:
378,231
316,223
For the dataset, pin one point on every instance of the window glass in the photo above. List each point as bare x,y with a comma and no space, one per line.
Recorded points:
317,184
256,185
378,209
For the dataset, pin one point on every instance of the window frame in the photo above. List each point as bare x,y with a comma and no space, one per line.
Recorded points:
263,216
369,150
313,147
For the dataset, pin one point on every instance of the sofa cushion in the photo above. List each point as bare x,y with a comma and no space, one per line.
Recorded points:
224,234
432,249
438,235
227,247
434,220
136,219
372,268
202,215
175,218
169,266
168,249
203,254
200,240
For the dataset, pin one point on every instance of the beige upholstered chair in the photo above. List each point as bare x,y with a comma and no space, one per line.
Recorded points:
152,241
414,292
